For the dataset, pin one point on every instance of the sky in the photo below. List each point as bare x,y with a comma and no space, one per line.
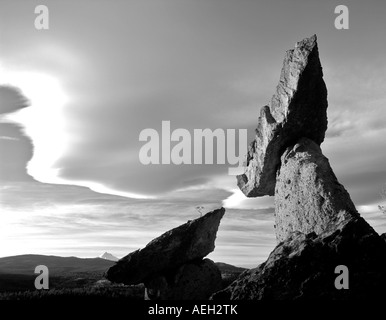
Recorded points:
74,99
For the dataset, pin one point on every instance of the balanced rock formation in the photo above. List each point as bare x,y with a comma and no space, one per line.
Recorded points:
297,109
317,225
308,196
166,262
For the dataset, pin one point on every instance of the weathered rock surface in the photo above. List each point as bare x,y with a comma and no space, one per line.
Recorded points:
317,225
196,280
303,266
308,196
190,241
297,109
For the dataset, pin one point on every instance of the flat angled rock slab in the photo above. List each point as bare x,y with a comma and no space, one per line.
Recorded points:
190,241
308,196
297,109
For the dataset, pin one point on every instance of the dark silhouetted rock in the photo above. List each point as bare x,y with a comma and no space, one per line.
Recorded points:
303,266
297,109
190,241
196,280
308,196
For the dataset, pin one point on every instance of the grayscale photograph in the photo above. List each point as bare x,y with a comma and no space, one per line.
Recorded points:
192,157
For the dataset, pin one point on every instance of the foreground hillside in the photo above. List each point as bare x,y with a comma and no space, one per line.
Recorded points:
72,277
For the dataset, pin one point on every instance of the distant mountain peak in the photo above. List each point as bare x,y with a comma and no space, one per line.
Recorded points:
108,256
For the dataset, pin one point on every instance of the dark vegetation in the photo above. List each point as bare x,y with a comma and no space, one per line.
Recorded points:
73,278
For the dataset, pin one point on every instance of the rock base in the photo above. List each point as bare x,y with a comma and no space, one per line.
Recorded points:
303,267
192,281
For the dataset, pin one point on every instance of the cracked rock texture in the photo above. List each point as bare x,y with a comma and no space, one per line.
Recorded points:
297,109
317,225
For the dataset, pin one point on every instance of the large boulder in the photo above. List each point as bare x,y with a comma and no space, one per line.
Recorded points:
196,280
308,196
190,241
303,266
297,109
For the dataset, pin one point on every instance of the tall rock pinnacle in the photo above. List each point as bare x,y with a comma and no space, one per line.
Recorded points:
297,109
318,228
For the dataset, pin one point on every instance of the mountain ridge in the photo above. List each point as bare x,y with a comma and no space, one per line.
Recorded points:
108,256
26,263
